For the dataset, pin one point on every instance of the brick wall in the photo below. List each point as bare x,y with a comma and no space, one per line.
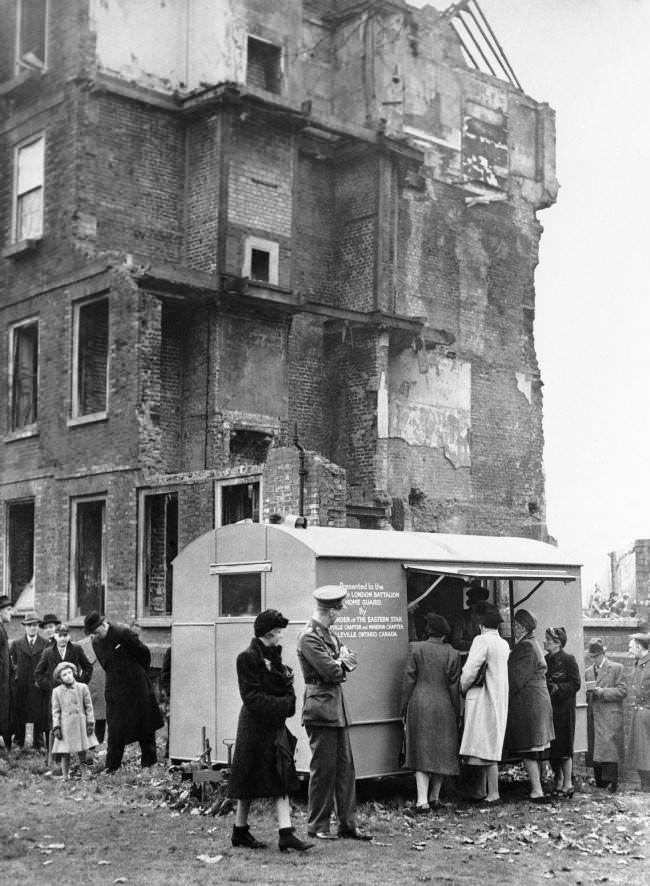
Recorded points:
325,490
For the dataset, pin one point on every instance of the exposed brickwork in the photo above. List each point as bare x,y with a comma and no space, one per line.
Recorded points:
386,265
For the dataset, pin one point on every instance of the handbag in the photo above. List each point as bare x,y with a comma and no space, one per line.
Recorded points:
480,677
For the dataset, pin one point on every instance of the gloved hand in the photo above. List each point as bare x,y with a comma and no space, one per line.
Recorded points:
56,732
90,728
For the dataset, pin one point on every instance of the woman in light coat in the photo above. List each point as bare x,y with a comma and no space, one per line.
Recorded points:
486,707
430,709
606,689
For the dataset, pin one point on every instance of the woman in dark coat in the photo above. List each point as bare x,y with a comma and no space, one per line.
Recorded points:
563,680
262,764
430,709
530,717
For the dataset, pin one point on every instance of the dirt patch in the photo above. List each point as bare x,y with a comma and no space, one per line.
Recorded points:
152,827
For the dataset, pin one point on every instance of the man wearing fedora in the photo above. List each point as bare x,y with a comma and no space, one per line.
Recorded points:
6,676
30,710
606,689
639,749
132,712
325,665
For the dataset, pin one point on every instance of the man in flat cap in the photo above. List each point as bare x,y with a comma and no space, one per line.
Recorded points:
132,712
639,751
606,689
30,707
325,665
6,674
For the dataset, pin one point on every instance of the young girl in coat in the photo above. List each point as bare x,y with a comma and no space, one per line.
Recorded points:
73,720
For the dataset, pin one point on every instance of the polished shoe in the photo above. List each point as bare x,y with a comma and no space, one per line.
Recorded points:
438,805
565,794
241,836
354,834
322,835
288,840
413,811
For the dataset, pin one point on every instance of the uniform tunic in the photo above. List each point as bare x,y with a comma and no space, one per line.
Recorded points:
431,705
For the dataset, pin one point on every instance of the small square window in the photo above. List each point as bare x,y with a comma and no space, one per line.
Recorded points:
241,594
261,260
264,65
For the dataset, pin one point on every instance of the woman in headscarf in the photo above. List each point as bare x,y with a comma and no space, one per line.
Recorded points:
430,709
262,764
530,716
563,680
486,700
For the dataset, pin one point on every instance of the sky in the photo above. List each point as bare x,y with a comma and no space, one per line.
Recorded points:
589,60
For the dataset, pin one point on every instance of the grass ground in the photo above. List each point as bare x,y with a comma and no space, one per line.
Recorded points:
148,828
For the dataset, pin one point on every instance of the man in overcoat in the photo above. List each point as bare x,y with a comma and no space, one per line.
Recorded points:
29,702
6,676
132,712
606,689
325,665
639,750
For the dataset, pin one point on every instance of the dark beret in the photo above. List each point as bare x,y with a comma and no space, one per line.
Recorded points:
436,625
526,619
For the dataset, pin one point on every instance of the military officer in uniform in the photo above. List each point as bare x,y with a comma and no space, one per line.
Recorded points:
325,665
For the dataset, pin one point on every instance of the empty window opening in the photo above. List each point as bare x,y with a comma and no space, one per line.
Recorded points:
31,34
264,65
248,447
20,547
160,548
241,594
23,381
260,265
91,351
238,500
29,190
88,556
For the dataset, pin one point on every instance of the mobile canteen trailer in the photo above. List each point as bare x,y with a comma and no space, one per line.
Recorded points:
225,577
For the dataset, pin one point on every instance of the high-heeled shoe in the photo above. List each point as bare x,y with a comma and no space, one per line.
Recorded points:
241,836
565,794
288,840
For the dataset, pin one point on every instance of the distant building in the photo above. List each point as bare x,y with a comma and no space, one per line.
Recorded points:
221,223
630,576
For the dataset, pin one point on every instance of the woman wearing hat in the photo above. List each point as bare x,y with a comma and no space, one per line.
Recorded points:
530,716
486,702
639,751
563,681
606,689
430,709
262,764
73,721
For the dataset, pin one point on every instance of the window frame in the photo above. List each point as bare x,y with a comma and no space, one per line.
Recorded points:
77,417
19,65
244,479
16,235
6,558
143,495
261,245
255,38
73,591
31,428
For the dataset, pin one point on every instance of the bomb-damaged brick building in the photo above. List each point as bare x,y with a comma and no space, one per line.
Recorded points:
259,257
